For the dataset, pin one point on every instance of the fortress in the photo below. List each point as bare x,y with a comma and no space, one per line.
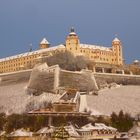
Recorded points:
18,81
99,55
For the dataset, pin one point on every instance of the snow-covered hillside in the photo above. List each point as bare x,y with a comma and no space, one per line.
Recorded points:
126,98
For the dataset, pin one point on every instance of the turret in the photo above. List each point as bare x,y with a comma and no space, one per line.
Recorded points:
72,42
44,44
136,62
117,49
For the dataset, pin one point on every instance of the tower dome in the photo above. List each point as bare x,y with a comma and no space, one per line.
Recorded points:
116,39
136,62
72,32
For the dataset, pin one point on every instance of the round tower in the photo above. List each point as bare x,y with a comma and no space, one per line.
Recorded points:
72,42
44,44
117,49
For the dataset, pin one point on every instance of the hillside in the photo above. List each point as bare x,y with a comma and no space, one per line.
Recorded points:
14,97
126,98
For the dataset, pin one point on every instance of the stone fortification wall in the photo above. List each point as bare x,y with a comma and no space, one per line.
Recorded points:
117,78
15,77
83,81
42,79
52,79
47,79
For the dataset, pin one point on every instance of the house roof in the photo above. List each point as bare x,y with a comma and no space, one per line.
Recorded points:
97,126
45,130
21,132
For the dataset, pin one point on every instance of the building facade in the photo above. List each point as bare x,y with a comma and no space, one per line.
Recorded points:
98,54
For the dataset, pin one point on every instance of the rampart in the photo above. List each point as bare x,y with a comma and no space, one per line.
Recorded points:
83,81
15,77
54,79
123,79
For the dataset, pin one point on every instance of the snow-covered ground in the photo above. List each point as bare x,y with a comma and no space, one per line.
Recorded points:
13,98
126,98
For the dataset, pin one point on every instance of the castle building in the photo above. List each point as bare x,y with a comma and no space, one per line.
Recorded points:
98,54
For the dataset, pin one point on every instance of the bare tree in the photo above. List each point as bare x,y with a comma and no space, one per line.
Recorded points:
66,60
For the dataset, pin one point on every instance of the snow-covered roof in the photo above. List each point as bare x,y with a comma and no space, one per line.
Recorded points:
88,126
45,130
21,132
44,41
98,126
103,126
31,53
91,127
71,130
116,39
72,33
95,47
136,61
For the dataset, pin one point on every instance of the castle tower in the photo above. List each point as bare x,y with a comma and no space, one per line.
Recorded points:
117,49
72,42
44,44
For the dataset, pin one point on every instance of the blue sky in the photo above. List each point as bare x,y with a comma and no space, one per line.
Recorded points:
96,22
